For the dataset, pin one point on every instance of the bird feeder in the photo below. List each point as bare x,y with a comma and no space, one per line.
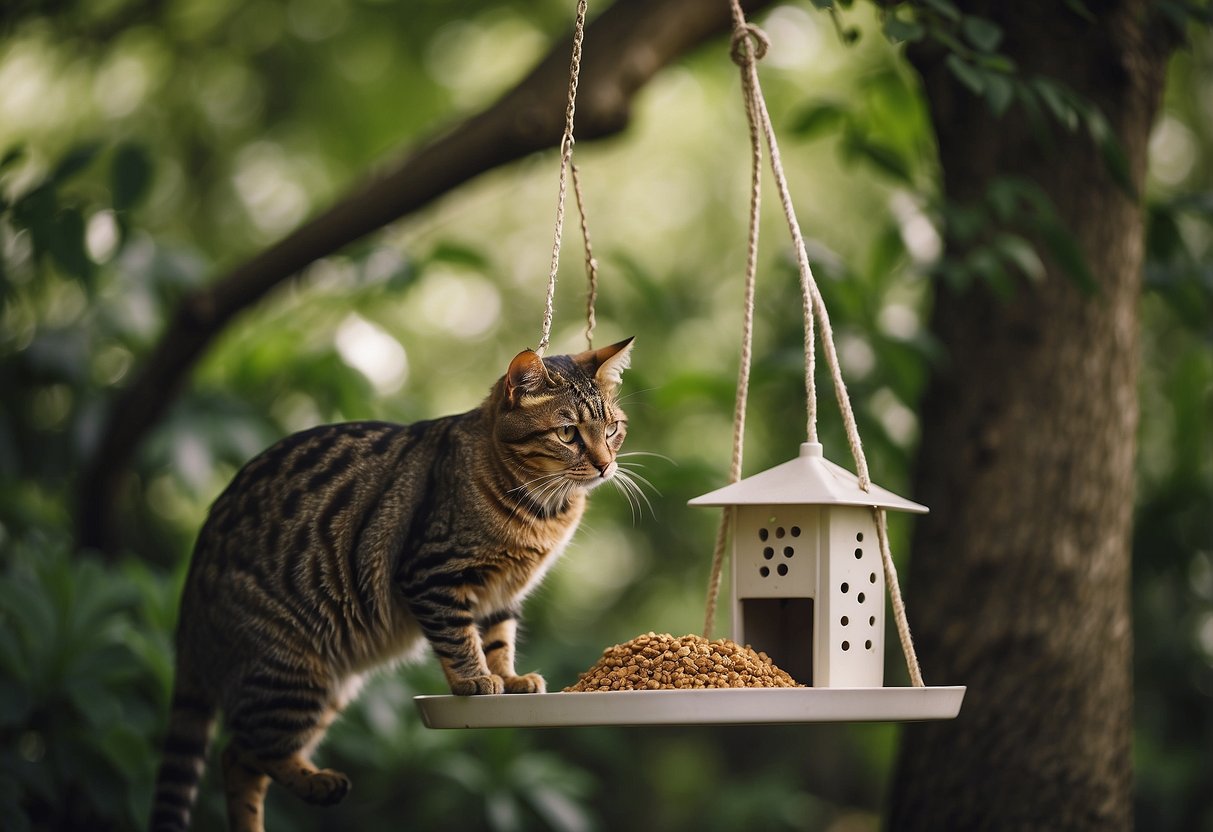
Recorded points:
809,548
808,589
808,586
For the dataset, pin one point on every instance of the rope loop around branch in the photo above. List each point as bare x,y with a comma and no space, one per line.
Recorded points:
749,44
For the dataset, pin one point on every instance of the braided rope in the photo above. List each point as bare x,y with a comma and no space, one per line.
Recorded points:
748,46
591,264
569,170
743,50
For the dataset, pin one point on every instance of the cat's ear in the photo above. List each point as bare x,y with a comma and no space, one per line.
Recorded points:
526,375
607,364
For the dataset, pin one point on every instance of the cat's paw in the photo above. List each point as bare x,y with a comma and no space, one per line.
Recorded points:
325,787
478,685
530,683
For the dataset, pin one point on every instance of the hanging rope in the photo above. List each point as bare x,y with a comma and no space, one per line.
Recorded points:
749,44
743,51
591,265
899,607
567,166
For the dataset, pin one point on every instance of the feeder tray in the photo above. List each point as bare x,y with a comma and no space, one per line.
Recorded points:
723,706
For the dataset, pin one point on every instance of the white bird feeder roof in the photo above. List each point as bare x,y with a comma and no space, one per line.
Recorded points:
809,479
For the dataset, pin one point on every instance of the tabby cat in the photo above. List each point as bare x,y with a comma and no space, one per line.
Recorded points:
349,546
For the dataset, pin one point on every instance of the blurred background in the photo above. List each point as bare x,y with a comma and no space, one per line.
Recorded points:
147,148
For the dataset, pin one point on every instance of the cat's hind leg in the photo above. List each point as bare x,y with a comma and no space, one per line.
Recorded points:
244,787
275,725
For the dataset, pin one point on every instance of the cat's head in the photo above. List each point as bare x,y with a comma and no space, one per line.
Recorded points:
559,419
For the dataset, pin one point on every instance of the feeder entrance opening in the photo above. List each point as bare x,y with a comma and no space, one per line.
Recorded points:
783,629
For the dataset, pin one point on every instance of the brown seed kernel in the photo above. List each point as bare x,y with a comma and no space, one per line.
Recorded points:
655,661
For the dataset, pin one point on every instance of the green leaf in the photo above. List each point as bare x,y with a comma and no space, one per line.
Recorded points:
1056,101
945,8
35,211
964,223
130,176
1117,164
1020,253
817,119
966,73
1064,249
896,29
996,63
1163,238
461,254
13,155
98,706
1000,91
15,703
954,273
888,250
1080,8
12,656
126,749
27,612
75,161
880,156
1110,149
983,33
68,247
983,263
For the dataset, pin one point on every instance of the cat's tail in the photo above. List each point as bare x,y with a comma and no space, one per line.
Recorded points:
191,719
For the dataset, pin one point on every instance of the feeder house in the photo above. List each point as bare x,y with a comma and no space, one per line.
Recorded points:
808,584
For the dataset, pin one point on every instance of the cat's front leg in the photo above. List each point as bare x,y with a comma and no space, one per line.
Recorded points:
451,630
498,633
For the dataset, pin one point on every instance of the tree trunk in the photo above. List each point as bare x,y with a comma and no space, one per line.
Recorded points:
1019,583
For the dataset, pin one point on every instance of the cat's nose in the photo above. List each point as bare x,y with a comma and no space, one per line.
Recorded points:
606,470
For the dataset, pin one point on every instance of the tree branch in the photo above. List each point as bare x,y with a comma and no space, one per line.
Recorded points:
625,46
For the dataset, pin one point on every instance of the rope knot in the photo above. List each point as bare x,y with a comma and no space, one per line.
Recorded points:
749,44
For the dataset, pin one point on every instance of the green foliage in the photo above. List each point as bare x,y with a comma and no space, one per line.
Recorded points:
84,672
993,238
233,121
1175,271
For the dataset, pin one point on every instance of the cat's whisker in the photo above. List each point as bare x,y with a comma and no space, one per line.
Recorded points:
625,482
622,485
629,469
627,396
552,492
648,453
546,495
530,494
534,480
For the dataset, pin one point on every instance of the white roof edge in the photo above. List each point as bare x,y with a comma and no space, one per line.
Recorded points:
809,479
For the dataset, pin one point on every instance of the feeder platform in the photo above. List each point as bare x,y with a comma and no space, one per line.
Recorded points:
712,706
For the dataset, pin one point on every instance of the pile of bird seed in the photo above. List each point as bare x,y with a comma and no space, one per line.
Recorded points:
657,661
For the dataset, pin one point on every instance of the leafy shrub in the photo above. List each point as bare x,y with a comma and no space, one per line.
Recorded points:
84,673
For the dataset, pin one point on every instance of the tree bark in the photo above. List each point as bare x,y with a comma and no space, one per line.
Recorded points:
1019,582
624,47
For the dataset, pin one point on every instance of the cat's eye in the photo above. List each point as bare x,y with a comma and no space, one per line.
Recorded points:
566,434
612,429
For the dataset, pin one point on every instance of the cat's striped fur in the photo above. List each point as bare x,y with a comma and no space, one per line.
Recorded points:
348,546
